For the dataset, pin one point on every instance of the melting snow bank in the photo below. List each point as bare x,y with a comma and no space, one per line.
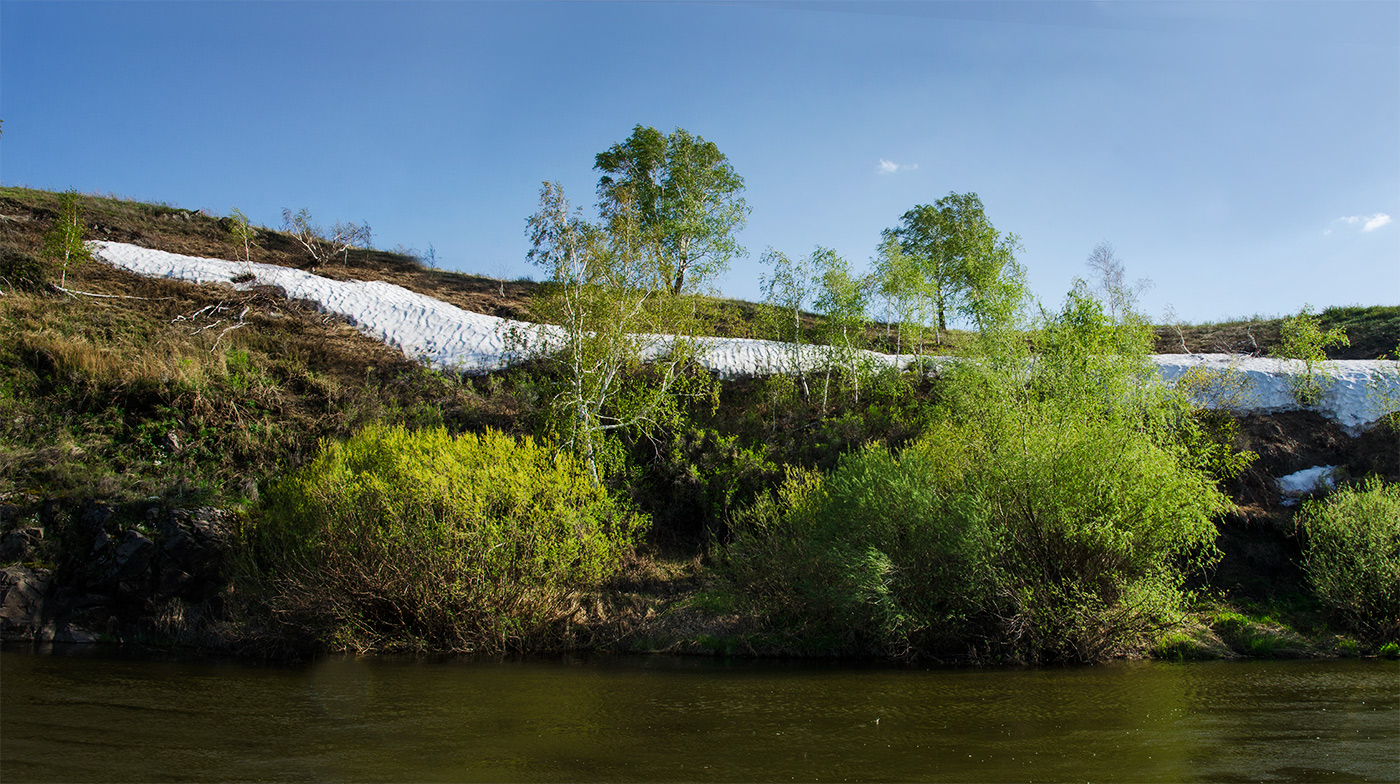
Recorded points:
1357,392
1306,482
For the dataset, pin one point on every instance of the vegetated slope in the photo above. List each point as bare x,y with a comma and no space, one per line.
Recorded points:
153,394
140,388
1373,333
148,388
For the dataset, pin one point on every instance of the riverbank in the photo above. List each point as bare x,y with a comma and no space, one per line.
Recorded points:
143,422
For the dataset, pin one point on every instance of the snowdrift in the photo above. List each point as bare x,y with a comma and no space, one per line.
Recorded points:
443,336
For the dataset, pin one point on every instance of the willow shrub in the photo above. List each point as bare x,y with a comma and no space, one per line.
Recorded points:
426,540
1351,552
884,554
1052,512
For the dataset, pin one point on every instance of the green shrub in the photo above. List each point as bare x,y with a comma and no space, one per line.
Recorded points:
1050,539
1301,337
421,539
1050,511
882,553
1351,552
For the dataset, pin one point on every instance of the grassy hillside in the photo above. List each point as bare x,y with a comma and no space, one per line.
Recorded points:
144,395
154,389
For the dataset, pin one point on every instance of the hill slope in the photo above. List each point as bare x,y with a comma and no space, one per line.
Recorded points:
124,407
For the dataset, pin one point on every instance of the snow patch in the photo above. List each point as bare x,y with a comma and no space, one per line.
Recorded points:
1356,393
1306,482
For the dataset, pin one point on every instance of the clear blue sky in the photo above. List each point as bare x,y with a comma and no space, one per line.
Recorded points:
1244,156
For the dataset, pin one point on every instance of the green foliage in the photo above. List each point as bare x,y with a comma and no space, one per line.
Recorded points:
64,243
243,234
841,299
696,479
684,197
1052,510
898,280
426,539
1351,552
20,270
965,266
1043,538
624,342
1301,338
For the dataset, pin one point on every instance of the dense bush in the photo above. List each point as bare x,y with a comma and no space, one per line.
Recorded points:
1351,551
422,539
1053,512
1050,539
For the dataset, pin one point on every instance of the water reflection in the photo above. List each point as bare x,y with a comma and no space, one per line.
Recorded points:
664,718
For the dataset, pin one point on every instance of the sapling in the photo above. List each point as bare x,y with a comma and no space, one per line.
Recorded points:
1301,337
245,235
322,247
64,242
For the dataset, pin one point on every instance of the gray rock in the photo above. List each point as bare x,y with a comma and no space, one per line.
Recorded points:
20,545
25,593
66,632
134,555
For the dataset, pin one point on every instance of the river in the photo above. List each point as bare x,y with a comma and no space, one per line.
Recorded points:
85,714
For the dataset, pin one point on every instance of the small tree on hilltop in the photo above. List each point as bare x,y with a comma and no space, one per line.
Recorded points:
787,288
897,279
244,234
841,299
959,254
321,246
1108,278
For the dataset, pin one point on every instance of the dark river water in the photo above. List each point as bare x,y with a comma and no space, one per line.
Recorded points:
95,716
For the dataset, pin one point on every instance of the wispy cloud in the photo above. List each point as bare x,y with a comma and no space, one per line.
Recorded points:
1368,222
890,167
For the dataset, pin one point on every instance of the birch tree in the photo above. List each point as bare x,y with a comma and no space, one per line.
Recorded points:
64,243
788,288
897,280
619,339
1110,280
321,245
841,298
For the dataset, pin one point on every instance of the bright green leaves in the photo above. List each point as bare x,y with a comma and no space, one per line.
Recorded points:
453,542
1301,337
683,196
1351,551
64,243
965,266
243,234
627,338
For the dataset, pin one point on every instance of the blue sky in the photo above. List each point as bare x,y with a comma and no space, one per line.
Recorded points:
1243,156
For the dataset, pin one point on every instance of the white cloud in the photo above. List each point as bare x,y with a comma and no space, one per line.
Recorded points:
1368,222
890,167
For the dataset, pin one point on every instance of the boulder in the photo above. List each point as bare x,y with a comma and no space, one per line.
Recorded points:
20,545
24,595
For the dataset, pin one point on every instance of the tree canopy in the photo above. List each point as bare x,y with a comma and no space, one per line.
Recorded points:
685,197
966,267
